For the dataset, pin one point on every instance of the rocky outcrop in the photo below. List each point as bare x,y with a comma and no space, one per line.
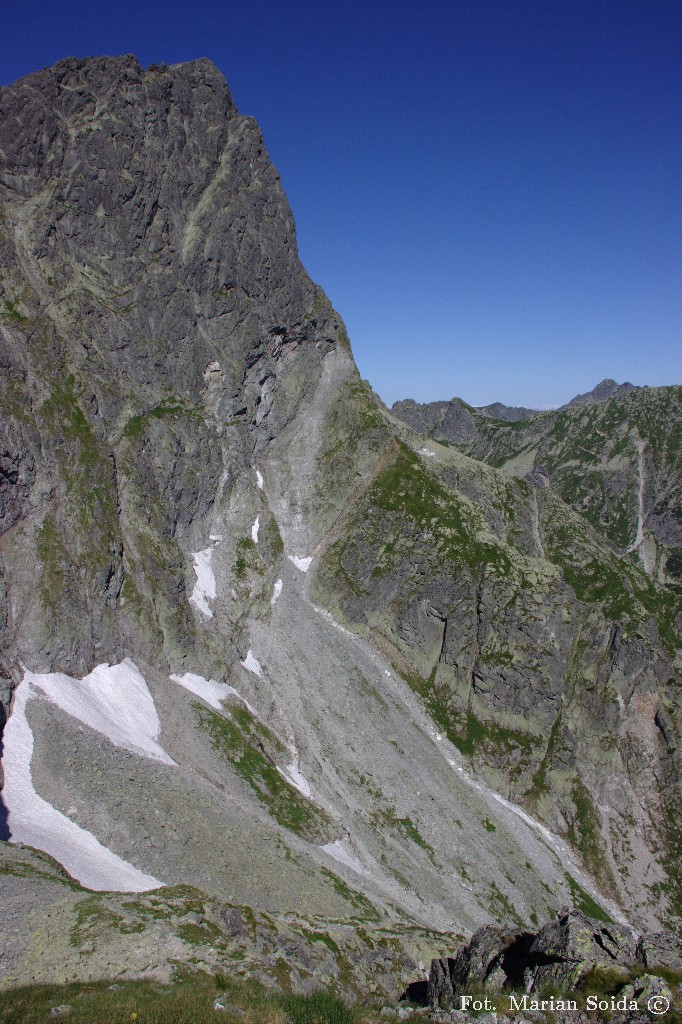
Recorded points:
660,950
116,936
558,957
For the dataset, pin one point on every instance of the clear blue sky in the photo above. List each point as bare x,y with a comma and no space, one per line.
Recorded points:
489,191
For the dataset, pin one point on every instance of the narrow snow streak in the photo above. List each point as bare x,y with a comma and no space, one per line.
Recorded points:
204,588
114,700
298,781
259,479
35,822
535,513
301,563
209,690
551,840
640,517
252,664
339,852
276,591
254,530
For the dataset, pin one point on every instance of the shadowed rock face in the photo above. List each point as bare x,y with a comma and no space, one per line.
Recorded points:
194,476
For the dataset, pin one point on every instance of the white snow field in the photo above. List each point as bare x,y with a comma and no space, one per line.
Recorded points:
298,781
301,563
209,690
254,530
340,853
35,822
276,591
114,700
252,664
204,588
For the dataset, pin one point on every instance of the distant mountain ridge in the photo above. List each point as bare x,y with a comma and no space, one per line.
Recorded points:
613,454
413,412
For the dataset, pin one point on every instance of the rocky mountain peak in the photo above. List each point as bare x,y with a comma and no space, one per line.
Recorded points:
607,388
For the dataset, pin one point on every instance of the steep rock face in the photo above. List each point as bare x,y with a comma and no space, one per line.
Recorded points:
342,632
533,645
157,329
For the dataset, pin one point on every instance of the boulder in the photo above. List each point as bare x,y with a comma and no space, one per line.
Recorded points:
566,949
661,949
485,963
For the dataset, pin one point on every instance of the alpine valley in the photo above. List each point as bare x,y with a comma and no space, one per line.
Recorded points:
294,687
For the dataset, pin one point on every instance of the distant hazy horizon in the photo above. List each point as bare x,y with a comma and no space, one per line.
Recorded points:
487,190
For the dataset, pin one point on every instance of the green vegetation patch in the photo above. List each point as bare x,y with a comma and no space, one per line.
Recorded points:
84,545
172,406
246,743
670,890
586,836
479,737
318,1008
622,591
55,564
188,1000
501,907
583,901
204,934
387,818
94,912
352,895
416,502
248,558
11,315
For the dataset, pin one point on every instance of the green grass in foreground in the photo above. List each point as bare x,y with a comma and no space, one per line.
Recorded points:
189,1000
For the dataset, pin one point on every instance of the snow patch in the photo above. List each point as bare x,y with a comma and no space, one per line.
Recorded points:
638,542
259,479
114,700
276,591
332,621
34,821
425,451
301,563
204,588
339,852
209,690
298,781
254,530
215,537
252,664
